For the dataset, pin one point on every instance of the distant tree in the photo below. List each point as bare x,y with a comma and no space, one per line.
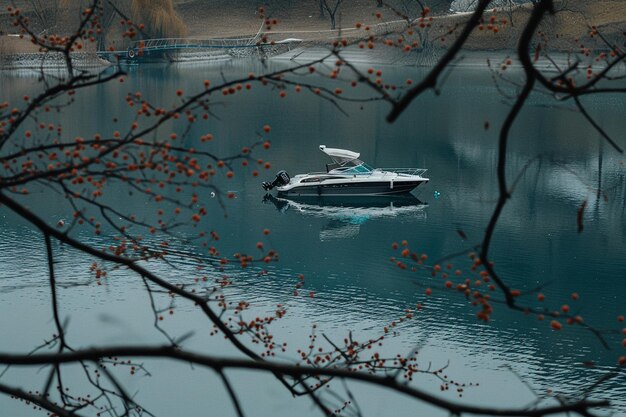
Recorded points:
159,17
110,12
331,6
47,12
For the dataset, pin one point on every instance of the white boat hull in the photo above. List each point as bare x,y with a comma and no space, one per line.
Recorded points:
356,186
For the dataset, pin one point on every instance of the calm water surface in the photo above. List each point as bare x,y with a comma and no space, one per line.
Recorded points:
344,250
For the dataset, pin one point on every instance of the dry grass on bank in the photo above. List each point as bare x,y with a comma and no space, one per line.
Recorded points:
15,45
223,18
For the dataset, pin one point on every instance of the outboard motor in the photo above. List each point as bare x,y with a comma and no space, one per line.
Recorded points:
282,178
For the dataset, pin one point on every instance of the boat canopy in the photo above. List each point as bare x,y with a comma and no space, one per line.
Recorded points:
339,156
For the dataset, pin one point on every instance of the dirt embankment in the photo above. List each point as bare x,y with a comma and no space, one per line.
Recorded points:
571,23
569,27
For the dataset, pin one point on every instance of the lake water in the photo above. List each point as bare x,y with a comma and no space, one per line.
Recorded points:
344,250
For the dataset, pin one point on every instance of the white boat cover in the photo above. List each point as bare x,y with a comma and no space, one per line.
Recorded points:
342,154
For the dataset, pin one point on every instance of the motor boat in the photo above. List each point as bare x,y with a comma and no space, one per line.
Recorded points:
347,175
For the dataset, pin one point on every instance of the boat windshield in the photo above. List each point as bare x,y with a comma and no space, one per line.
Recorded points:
354,167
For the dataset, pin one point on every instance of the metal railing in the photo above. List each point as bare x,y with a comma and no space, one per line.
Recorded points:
186,43
383,171
404,171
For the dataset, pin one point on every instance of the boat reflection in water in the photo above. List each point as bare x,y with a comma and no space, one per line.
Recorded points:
346,215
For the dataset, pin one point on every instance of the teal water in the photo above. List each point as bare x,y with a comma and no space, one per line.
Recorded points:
344,251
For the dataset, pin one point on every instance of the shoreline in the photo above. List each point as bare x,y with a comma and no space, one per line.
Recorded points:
50,61
477,59
567,30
